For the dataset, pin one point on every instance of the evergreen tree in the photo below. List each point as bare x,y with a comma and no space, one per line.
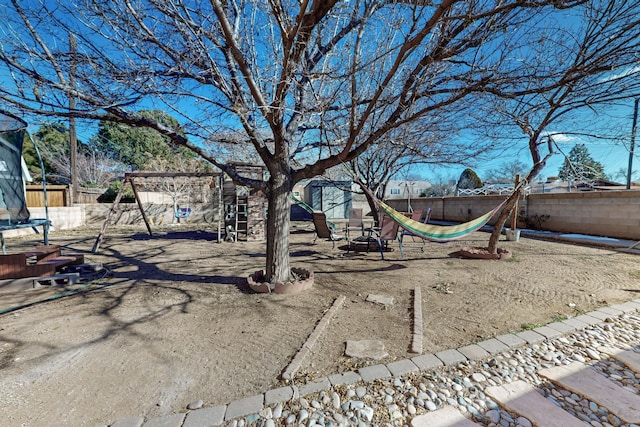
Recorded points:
469,180
51,137
136,146
579,165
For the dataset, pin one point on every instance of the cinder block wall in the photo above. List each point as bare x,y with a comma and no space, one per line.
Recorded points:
602,213
129,214
610,213
62,218
457,209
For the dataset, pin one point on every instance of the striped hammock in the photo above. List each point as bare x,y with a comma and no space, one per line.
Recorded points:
302,204
437,233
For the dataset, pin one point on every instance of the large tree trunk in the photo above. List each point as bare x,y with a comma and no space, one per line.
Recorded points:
278,221
502,219
374,208
513,198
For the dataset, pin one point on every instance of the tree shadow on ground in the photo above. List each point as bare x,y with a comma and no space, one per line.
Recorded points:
178,235
390,267
133,279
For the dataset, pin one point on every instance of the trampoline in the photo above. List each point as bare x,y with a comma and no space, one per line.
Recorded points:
13,205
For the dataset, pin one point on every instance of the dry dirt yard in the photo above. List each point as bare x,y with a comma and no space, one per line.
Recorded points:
175,321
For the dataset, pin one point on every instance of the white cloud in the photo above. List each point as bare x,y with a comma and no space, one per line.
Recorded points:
561,138
629,71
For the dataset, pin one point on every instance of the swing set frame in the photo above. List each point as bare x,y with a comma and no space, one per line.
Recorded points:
129,179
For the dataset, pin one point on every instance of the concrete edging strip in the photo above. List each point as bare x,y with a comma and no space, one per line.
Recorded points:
418,330
297,360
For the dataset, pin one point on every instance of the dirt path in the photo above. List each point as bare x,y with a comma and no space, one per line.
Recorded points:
175,321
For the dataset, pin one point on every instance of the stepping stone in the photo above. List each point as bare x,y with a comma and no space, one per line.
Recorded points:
385,300
445,417
373,349
628,357
523,399
585,381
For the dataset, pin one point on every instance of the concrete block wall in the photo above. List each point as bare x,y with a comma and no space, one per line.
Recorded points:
610,213
62,218
463,209
129,214
456,209
605,213
158,214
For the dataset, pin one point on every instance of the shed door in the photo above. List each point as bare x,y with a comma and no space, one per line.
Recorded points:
333,202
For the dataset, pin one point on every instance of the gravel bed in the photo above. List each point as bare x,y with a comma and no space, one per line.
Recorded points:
395,401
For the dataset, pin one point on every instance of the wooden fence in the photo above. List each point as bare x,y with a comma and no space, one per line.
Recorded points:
57,196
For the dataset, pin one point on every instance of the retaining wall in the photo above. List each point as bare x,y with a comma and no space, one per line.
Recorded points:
64,218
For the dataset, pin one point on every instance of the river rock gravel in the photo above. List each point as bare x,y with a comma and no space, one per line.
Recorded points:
396,401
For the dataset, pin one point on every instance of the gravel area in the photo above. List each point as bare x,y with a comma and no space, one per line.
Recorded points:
395,401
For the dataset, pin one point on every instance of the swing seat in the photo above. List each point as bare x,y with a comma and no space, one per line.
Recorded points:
183,212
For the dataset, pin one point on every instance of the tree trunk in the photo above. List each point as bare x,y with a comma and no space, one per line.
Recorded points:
513,198
374,208
278,222
502,219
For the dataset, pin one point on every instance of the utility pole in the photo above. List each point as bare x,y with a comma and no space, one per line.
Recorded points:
633,141
73,140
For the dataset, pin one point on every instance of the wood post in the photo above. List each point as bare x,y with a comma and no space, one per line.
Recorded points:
114,208
514,212
139,202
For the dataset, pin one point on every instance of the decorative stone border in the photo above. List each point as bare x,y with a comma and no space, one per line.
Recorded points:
295,364
255,283
476,252
418,331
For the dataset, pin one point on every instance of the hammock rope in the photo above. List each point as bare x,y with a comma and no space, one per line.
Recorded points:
309,209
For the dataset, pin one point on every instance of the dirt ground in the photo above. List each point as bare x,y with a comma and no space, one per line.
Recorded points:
175,321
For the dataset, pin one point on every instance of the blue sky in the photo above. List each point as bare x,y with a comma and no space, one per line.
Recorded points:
613,156
612,153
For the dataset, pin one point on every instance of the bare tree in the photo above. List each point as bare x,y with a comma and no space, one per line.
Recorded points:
93,169
308,85
622,174
433,140
506,172
582,71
